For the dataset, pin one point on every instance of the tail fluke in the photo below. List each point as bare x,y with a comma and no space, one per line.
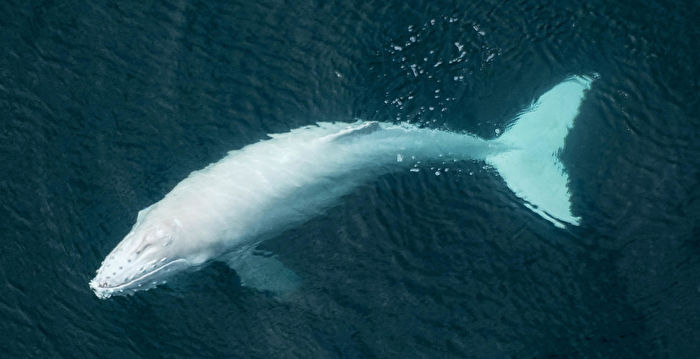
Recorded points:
532,169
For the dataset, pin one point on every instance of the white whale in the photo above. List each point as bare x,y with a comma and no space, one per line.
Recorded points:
225,210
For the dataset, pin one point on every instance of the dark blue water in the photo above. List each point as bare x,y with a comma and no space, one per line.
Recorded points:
105,106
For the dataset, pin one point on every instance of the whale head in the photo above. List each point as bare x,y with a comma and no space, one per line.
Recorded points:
145,258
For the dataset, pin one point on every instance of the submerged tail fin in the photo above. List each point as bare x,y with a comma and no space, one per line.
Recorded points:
532,169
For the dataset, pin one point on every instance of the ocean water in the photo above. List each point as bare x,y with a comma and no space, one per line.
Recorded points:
105,106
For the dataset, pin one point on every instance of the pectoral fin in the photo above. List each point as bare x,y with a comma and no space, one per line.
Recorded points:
264,273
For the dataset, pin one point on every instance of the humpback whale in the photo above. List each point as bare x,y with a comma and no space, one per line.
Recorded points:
223,211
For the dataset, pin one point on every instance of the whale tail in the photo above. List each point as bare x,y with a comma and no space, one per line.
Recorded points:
531,168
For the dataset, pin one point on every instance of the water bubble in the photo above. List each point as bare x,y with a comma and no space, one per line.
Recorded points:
437,173
413,68
414,170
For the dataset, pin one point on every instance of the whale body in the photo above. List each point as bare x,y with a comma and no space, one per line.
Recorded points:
223,211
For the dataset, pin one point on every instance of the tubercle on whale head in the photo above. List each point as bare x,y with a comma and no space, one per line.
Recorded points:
149,280
146,257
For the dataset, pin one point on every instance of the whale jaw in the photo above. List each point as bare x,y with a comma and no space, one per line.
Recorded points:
104,289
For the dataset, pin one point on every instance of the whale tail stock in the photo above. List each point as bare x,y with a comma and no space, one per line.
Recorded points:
532,169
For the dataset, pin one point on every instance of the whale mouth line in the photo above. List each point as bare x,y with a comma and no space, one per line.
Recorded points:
102,290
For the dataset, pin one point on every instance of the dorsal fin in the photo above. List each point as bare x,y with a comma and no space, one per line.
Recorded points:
354,131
